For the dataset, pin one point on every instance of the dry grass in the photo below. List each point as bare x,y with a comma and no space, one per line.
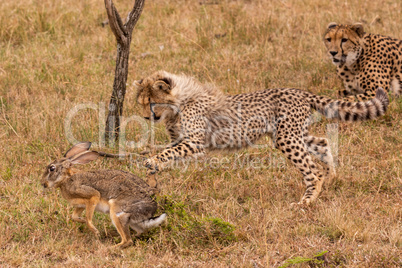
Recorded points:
55,55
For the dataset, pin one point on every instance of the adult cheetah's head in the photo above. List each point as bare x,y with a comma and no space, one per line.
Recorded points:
344,43
154,95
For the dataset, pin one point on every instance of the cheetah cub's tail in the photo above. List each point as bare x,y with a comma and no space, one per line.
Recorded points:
352,111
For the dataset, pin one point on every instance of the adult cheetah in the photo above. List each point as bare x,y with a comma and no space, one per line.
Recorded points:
364,61
200,117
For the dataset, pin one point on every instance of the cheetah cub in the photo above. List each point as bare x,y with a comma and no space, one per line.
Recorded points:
126,197
364,61
200,117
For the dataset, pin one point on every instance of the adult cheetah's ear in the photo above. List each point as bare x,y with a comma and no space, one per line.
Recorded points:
164,84
358,28
332,25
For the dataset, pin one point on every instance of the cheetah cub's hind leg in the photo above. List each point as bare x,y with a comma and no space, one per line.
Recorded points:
319,148
295,150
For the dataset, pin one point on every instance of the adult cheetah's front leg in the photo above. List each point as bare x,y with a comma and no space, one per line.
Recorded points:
351,85
369,82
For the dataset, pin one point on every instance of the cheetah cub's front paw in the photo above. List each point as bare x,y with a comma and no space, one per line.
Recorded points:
304,203
300,204
152,165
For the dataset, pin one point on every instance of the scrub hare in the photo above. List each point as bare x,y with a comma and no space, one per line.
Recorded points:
125,196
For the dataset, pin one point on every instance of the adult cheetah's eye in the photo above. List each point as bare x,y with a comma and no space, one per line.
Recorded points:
329,39
344,40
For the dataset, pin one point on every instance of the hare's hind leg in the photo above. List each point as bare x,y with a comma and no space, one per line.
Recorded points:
120,221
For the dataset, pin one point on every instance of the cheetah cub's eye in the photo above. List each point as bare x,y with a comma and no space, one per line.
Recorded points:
329,39
344,40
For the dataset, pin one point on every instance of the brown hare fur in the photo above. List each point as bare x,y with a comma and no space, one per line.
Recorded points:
126,197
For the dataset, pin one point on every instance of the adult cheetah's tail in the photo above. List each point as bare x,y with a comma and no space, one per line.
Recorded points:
351,111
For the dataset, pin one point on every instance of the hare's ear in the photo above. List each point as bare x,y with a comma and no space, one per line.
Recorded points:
85,157
77,149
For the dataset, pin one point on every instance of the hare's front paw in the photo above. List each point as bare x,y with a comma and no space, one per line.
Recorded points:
96,232
152,164
123,244
78,219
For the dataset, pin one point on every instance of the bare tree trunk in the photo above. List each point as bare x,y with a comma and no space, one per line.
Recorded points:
123,34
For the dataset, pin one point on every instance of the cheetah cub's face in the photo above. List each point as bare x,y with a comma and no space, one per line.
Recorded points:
154,95
343,43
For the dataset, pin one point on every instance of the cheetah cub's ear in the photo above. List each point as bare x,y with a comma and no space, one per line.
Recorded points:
163,84
358,28
332,25
137,84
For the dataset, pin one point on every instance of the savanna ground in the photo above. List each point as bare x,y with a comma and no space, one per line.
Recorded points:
55,55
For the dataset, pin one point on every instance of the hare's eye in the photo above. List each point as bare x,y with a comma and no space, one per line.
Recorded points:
52,168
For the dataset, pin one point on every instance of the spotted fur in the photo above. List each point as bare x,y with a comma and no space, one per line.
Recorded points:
200,117
364,61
